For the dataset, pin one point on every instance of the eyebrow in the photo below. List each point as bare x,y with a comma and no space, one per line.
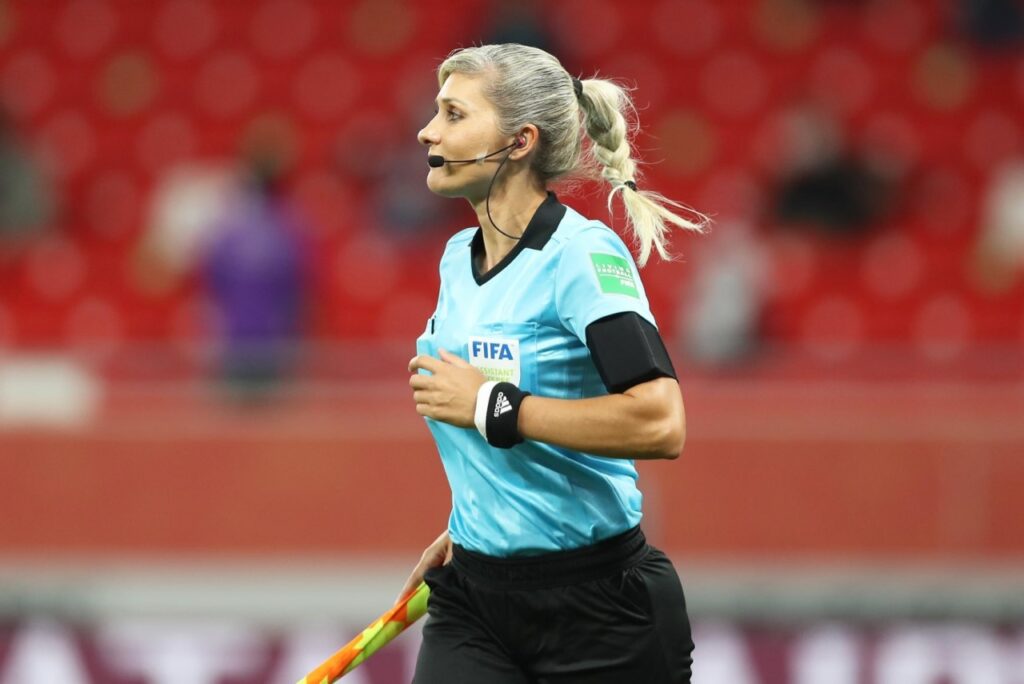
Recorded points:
456,100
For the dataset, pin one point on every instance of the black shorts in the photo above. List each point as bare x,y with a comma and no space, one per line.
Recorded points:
609,613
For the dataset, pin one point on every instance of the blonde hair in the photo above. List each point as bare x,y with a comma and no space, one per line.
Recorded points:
530,86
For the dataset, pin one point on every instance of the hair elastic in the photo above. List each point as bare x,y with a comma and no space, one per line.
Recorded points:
577,85
631,185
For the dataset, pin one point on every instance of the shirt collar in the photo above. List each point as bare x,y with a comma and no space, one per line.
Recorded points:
538,231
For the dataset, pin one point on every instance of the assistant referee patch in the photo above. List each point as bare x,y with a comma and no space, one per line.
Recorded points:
614,274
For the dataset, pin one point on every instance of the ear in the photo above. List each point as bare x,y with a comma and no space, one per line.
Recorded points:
530,136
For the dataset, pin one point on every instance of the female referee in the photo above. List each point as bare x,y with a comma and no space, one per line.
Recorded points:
542,377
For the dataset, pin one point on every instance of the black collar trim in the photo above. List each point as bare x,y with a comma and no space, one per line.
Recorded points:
538,231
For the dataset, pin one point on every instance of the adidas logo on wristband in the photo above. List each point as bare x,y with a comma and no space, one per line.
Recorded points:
501,405
497,413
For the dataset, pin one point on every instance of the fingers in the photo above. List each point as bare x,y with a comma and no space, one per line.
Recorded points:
438,553
424,362
453,359
416,578
448,392
427,411
410,584
423,395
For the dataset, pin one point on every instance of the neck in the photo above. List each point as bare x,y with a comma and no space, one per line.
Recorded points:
513,204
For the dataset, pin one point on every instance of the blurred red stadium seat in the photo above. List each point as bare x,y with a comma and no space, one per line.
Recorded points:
112,92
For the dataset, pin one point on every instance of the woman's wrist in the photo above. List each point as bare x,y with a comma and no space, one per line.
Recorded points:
483,395
496,415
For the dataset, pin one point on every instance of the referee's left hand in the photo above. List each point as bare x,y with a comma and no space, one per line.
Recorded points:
449,394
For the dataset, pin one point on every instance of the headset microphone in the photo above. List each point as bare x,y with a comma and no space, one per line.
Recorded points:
436,161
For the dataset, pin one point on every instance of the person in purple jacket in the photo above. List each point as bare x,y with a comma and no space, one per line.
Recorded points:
255,271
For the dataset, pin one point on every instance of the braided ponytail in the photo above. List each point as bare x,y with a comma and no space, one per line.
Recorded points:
604,106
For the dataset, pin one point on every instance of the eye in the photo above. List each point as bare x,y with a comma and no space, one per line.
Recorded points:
453,115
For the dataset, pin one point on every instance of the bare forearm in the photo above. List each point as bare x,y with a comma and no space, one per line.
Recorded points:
645,422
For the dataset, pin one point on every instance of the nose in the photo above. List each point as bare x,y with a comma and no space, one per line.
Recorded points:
427,135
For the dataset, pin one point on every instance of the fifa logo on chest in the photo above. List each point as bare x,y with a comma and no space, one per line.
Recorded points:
497,351
497,358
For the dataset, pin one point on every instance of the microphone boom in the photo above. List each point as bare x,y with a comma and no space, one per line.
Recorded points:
436,161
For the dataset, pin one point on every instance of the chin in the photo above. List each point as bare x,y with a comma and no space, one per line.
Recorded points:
443,184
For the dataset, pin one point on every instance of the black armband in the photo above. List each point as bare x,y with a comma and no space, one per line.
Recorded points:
627,350
497,413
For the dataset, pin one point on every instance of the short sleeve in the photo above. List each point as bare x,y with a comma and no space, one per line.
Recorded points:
597,277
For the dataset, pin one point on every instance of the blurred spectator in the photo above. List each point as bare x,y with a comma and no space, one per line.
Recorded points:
517,21
723,313
187,204
994,24
377,154
255,268
26,200
236,229
824,183
397,199
998,256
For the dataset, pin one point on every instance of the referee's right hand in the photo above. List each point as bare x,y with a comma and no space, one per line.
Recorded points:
438,553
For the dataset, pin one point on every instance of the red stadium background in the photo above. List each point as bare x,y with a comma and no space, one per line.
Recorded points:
861,459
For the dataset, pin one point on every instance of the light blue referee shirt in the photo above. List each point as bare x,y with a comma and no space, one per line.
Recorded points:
525,322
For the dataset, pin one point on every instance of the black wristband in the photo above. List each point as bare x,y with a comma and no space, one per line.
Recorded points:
503,415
